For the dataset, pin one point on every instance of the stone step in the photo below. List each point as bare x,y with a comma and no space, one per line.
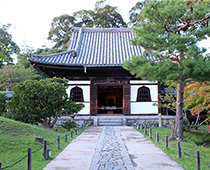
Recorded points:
113,121
110,124
110,121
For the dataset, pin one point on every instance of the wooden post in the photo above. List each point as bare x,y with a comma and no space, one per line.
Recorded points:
72,133
145,130
66,137
82,125
157,136
178,150
29,158
79,128
58,140
45,149
198,159
0,165
150,133
166,142
76,131
141,127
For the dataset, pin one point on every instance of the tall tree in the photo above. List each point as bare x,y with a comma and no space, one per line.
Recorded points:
107,16
40,101
11,75
60,31
7,46
170,31
84,18
103,15
135,13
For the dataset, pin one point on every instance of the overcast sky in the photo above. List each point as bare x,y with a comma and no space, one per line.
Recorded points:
31,19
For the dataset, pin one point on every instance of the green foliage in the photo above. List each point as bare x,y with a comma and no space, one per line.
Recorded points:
60,31
41,101
135,13
3,99
11,75
103,15
72,107
170,31
197,97
16,137
107,16
36,101
194,140
69,125
7,46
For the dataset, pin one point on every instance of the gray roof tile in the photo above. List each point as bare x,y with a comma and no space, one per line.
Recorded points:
94,47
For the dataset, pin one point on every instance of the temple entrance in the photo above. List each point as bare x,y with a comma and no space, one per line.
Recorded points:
110,99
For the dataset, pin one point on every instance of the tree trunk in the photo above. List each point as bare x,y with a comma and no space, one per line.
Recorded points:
177,131
46,125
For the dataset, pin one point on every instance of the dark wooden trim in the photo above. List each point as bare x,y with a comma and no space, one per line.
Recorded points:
93,99
78,84
126,99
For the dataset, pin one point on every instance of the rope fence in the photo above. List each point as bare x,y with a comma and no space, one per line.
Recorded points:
46,152
143,128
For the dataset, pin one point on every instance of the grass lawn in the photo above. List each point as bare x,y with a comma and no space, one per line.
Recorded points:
17,137
194,140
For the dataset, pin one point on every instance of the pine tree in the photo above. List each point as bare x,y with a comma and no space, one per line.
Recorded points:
170,31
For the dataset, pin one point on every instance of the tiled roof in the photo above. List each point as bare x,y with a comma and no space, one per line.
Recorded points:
94,47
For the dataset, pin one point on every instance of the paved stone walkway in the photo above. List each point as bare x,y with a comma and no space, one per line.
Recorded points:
112,148
111,152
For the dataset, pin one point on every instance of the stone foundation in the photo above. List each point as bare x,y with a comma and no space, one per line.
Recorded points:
148,121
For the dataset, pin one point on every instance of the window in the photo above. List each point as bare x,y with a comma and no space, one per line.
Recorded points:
143,94
76,94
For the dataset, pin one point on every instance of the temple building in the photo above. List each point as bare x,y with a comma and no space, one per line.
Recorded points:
93,65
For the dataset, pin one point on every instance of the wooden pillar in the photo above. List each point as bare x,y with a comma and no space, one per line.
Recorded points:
126,98
93,99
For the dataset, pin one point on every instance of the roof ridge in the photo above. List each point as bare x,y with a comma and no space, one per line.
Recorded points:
50,55
86,29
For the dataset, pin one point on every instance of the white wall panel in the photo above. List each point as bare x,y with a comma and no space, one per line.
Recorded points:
86,109
153,92
86,92
144,108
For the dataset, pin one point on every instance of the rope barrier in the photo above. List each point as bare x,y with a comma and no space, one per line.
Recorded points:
187,154
204,162
15,162
9,166
37,150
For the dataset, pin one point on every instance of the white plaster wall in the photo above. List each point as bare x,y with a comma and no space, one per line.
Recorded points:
86,109
144,108
153,91
141,82
86,94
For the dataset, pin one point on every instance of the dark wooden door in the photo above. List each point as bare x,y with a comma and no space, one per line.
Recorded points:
93,99
126,98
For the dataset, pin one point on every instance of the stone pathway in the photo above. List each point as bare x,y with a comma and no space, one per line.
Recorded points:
112,148
111,152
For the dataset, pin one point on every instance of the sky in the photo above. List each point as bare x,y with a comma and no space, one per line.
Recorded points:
31,19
